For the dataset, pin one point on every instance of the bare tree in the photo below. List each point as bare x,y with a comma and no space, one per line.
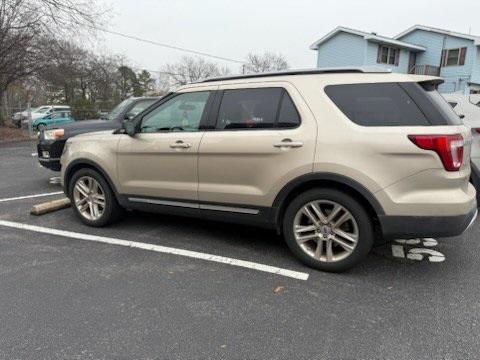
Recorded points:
264,63
191,69
27,27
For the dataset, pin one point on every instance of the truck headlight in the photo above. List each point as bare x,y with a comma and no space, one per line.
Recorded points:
53,134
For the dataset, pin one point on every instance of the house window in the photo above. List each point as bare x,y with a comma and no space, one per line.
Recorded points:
454,57
388,55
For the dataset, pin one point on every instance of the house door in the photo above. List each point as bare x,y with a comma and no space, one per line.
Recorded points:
412,60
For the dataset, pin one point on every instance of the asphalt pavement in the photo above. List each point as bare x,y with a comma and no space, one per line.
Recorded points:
66,298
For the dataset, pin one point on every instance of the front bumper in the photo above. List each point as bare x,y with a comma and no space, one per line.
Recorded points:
410,227
54,149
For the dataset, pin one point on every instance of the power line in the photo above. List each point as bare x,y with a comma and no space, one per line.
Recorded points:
132,37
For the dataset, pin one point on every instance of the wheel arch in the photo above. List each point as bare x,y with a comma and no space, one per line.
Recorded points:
78,164
324,180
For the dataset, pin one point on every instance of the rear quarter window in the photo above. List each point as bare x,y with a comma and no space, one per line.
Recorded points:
392,104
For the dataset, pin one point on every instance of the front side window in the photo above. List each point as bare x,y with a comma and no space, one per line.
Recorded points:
140,106
261,108
182,113
117,110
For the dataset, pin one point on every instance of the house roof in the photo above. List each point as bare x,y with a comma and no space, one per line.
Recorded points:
476,39
367,36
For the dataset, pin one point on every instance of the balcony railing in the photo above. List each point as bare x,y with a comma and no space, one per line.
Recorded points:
425,70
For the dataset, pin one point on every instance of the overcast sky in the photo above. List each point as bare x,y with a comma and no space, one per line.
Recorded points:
234,28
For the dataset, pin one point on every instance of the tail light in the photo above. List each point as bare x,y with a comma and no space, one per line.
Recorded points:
448,147
476,130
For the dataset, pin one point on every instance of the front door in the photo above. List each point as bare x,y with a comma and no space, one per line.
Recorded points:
161,160
412,60
263,139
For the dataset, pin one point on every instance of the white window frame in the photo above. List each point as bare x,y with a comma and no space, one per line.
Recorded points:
392,51
447,55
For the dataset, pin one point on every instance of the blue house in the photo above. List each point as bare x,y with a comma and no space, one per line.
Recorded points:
419,50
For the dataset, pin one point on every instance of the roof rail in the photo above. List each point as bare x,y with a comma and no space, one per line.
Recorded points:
332,70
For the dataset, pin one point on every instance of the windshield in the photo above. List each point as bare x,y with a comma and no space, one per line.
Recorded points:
119,109
42,110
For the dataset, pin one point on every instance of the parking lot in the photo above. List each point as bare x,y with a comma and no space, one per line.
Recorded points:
70,297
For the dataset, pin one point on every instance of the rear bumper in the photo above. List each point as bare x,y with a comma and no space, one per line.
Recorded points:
409,227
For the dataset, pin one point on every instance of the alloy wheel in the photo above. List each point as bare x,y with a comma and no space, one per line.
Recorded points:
325,230
89,198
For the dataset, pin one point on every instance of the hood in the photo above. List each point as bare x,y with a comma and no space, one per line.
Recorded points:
91,135
87,126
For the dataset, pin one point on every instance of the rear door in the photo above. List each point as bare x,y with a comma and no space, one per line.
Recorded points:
262,137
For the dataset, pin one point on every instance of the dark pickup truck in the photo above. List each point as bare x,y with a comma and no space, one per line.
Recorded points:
50,142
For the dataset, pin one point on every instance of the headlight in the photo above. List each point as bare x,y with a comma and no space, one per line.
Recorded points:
53,134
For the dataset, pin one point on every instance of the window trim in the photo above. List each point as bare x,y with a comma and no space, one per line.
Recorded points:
215,113
390,49
461,58
203,125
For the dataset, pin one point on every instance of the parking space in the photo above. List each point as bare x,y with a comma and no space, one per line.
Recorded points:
66,297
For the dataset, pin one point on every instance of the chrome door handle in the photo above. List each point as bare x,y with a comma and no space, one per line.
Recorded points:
288,143
179,144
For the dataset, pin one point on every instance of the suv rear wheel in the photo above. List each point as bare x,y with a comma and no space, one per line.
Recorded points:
92,199
328,229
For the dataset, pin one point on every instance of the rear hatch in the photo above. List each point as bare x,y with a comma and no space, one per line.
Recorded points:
411,110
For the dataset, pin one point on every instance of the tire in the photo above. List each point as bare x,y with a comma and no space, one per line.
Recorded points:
106,214
41,127
330,256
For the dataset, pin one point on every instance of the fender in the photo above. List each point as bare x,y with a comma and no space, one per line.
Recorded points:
322,176
90,164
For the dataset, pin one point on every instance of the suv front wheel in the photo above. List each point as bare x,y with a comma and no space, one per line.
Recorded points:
92,199
328,229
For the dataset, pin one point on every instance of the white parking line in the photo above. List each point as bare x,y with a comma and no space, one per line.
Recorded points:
31,196
161,249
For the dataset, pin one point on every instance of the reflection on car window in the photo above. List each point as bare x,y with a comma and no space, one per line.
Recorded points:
117,110
249,108
182,113
140,106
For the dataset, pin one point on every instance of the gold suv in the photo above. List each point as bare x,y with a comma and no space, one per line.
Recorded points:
327,157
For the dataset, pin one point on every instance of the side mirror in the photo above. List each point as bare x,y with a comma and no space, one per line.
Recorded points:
128,117
129,127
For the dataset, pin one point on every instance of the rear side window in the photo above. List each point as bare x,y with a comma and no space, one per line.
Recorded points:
452,104
379,104
288,115
393,104
264,108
